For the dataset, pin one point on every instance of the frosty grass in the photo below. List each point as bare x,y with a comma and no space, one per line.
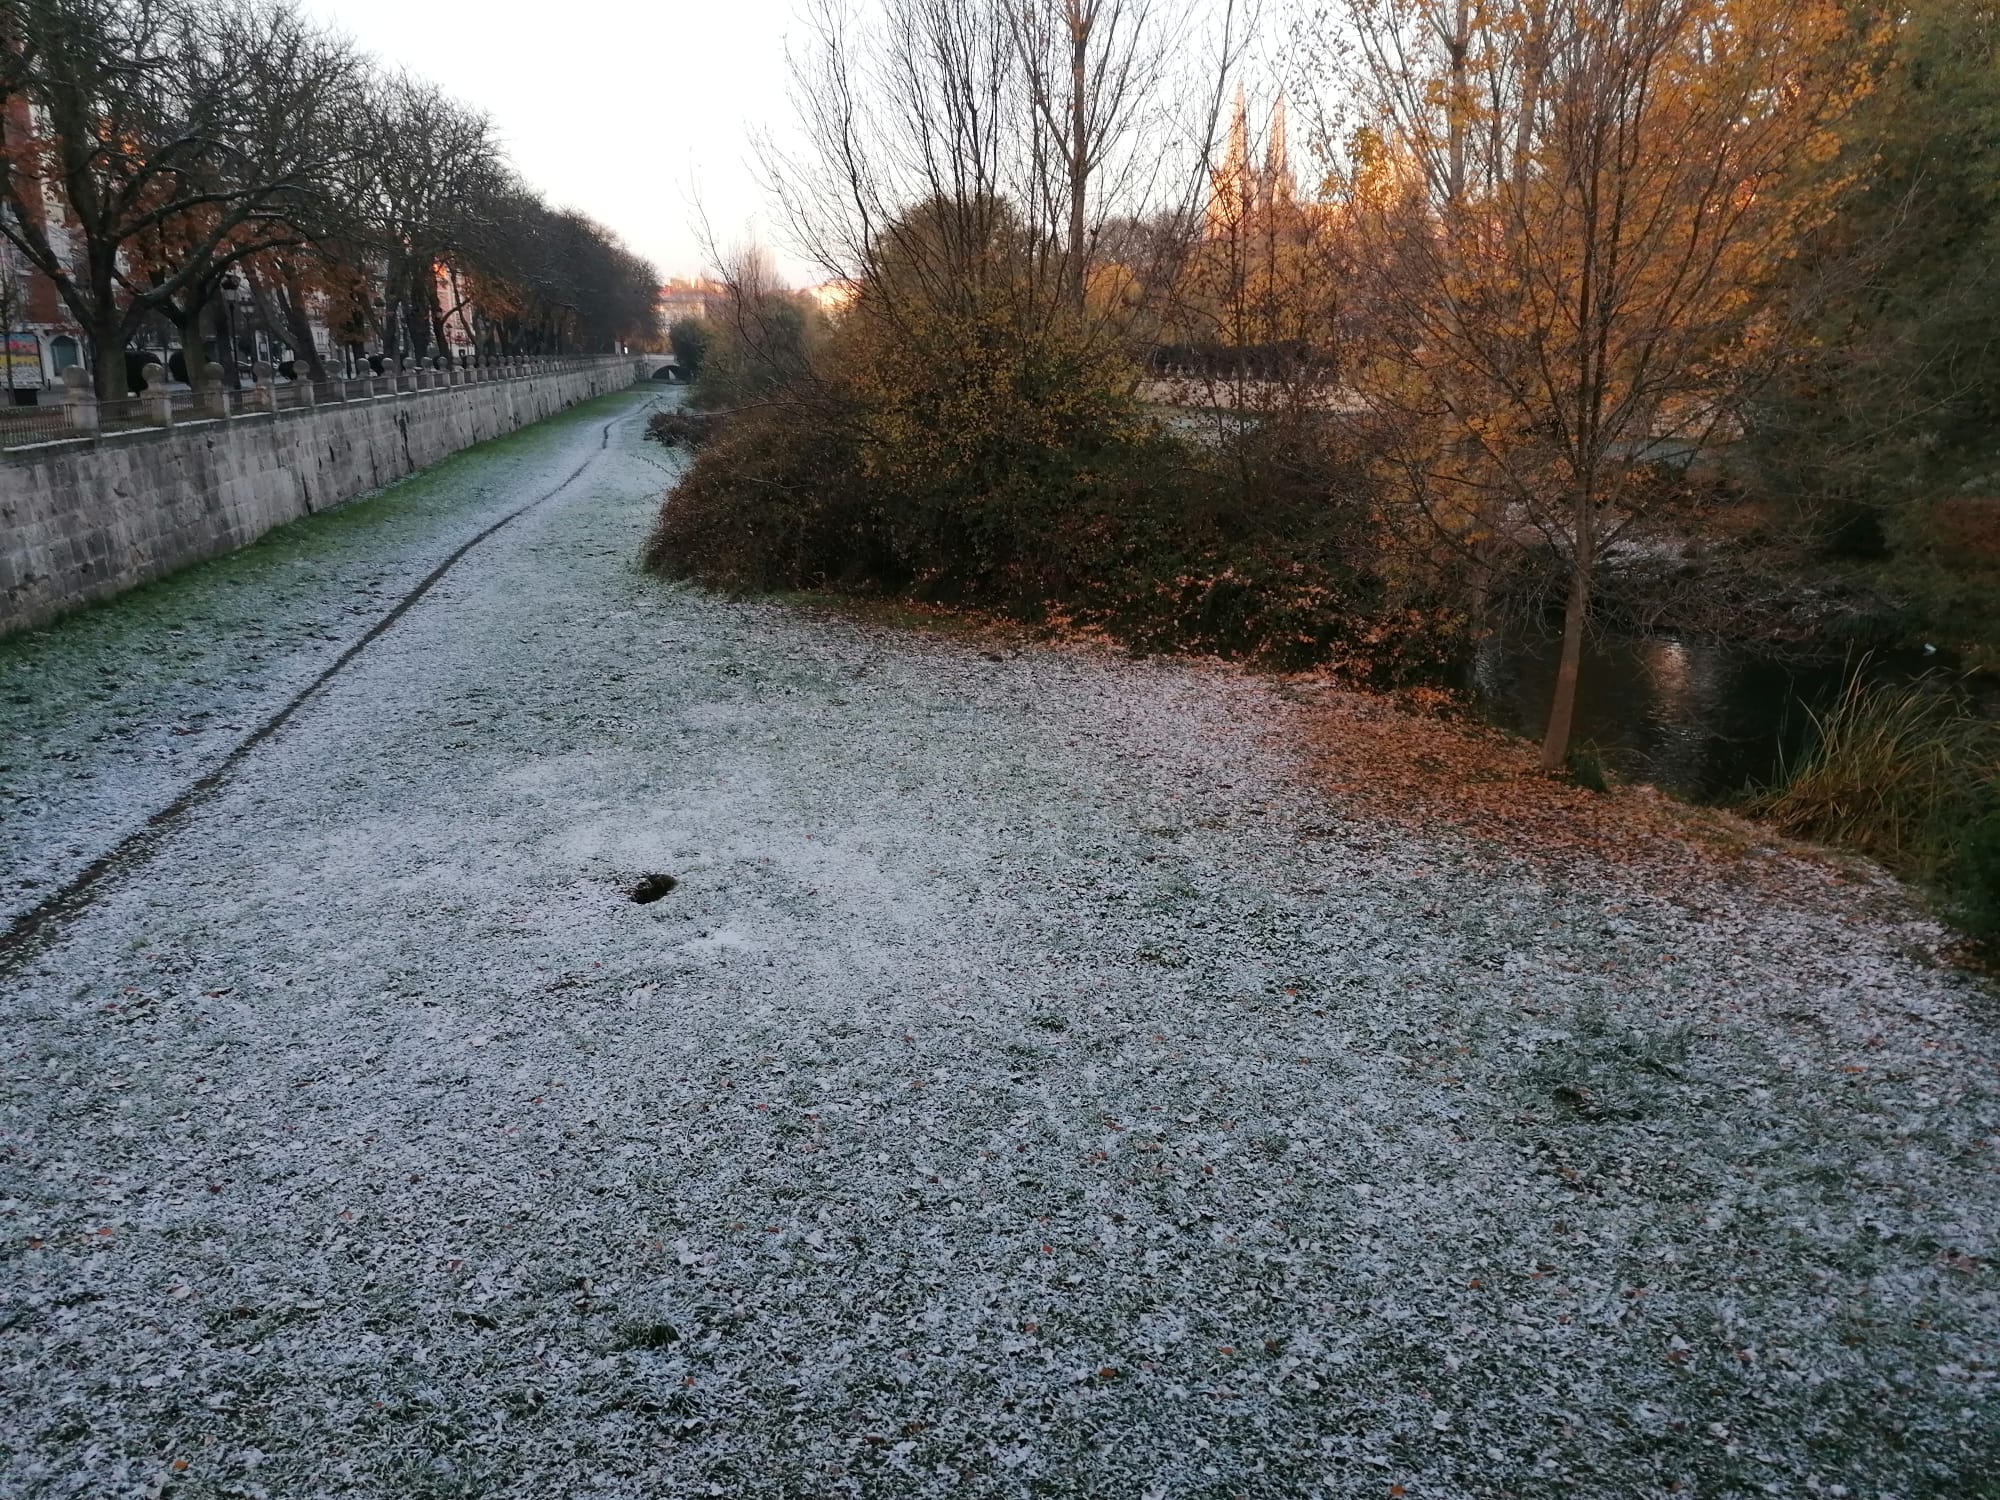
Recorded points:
1032,1087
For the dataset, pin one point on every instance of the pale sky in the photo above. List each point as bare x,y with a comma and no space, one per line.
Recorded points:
624,109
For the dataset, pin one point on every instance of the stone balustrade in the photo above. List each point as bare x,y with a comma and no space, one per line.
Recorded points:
99,512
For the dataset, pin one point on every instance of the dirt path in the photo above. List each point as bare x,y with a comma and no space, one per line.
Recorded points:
1031,1086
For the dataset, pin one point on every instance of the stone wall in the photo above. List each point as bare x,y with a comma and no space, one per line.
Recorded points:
89,518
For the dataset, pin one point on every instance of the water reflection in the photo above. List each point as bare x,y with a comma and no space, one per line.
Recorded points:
1698,718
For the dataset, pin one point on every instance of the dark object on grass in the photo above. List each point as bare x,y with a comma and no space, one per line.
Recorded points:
648,1335
1587,769
652,887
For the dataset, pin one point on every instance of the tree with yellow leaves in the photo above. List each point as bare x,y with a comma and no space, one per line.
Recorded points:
1569,214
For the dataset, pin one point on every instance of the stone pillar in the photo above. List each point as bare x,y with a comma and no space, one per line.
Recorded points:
158,400
266,397
211,400
79,400
407,375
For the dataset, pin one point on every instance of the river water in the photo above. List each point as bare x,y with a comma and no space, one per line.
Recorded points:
1702,719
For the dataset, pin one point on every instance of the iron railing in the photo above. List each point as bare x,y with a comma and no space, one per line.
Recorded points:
21,425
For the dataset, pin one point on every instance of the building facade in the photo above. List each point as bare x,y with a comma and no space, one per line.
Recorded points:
39,338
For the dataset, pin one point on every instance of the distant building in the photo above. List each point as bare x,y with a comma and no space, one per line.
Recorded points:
690,298
1241,191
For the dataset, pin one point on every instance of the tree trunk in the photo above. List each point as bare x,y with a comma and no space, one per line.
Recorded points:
190,324
292,308
1079,146
107,343
225,343
1562,708
1460,103
270,313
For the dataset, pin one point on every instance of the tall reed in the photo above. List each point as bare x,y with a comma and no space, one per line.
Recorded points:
1906,773
1893,771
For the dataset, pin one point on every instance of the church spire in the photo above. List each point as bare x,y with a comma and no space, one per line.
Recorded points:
1238,157
1279,185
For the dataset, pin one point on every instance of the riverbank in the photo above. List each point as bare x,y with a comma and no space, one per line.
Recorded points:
1425,759
1748,572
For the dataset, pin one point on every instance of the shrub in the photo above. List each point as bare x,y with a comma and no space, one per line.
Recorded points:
1588,770
770,504
1139,534
691,339
679,429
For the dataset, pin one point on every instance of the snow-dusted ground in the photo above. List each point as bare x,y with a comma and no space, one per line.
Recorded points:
1032,1087
106,716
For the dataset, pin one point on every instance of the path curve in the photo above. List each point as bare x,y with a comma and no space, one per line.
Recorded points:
17,938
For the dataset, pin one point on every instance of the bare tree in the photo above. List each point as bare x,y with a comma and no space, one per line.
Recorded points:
1023,125
433,191
162,121
1093,72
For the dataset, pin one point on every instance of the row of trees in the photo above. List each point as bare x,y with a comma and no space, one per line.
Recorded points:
1555,249
152,151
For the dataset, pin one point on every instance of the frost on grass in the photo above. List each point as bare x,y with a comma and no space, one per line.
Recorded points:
109,714
1032,1086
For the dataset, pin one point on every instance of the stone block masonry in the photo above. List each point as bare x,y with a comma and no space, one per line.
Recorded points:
92,517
